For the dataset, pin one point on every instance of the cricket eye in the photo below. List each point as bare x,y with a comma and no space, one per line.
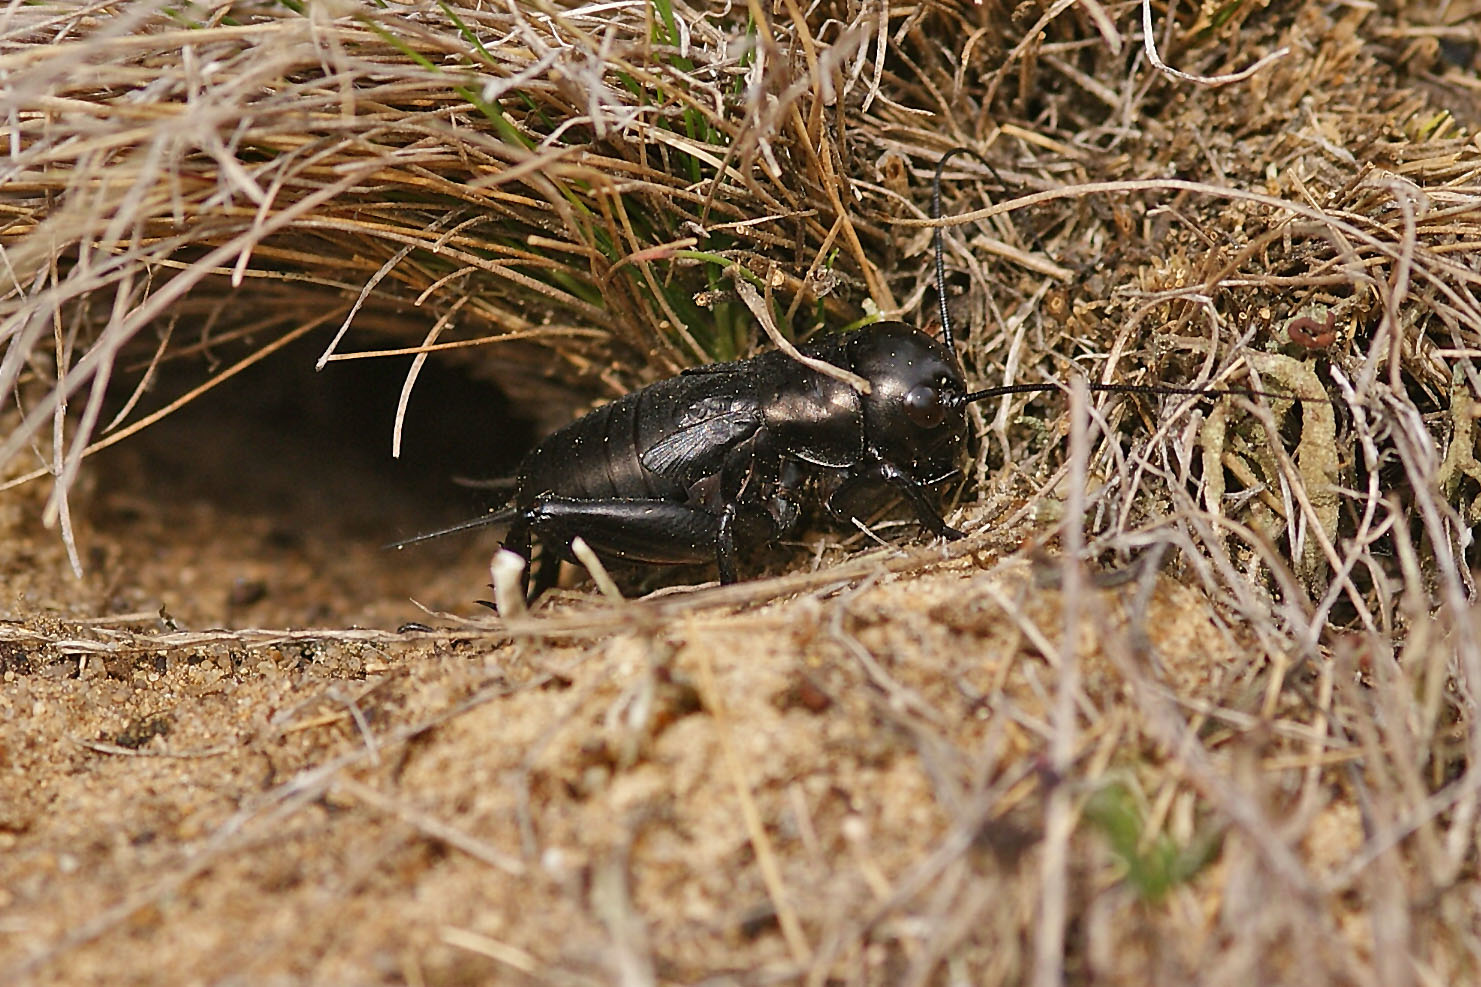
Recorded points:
924,407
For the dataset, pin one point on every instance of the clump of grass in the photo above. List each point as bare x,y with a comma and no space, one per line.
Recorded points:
567,178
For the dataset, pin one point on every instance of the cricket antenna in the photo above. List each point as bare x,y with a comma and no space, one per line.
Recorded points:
1004,390
938,240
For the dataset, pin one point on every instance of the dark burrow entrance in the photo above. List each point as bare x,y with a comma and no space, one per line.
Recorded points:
268,500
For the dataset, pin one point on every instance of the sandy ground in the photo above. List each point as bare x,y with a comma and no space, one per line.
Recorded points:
846,772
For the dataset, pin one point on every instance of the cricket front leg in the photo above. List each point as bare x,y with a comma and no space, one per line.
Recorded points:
915,494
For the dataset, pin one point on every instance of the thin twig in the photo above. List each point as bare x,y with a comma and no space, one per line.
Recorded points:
1149,45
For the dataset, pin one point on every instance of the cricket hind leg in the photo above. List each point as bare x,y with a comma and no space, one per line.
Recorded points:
645,532
651,532
541,570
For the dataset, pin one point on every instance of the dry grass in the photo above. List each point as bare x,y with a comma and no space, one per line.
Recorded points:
1031,755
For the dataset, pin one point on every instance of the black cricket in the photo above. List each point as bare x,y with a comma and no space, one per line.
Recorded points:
698,467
